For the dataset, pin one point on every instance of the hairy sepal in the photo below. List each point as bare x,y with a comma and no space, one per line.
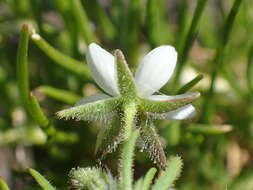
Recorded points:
109,137
150,142
162,106
101,110
126,82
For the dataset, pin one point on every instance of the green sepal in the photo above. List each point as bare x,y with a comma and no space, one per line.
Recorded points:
44,184
97,111
109,137
151,143
126,82
161,106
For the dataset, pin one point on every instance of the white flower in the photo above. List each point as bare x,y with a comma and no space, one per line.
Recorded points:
130,99
153,73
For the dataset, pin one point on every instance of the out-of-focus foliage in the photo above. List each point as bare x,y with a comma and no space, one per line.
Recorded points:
212,40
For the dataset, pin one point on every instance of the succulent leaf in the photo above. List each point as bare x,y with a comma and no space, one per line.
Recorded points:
147,181
171,174
45,185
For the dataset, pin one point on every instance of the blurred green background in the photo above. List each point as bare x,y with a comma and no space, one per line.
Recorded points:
213,38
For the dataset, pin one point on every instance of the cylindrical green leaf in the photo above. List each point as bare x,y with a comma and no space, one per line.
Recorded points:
3,185
59,94
22,68
169,176
209,129
190,84
82,21
250,71
147,181
44,184
29,100
61,59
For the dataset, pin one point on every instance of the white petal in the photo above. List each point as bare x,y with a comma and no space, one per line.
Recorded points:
165,97
155,69
185,112
103,68
92,98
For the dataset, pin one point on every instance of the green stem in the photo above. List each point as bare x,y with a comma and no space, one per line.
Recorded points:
184,50
129,118
104,21
208,106
82,21
182,18
132,31
157,27
22,70
126,174
250,71
30,102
